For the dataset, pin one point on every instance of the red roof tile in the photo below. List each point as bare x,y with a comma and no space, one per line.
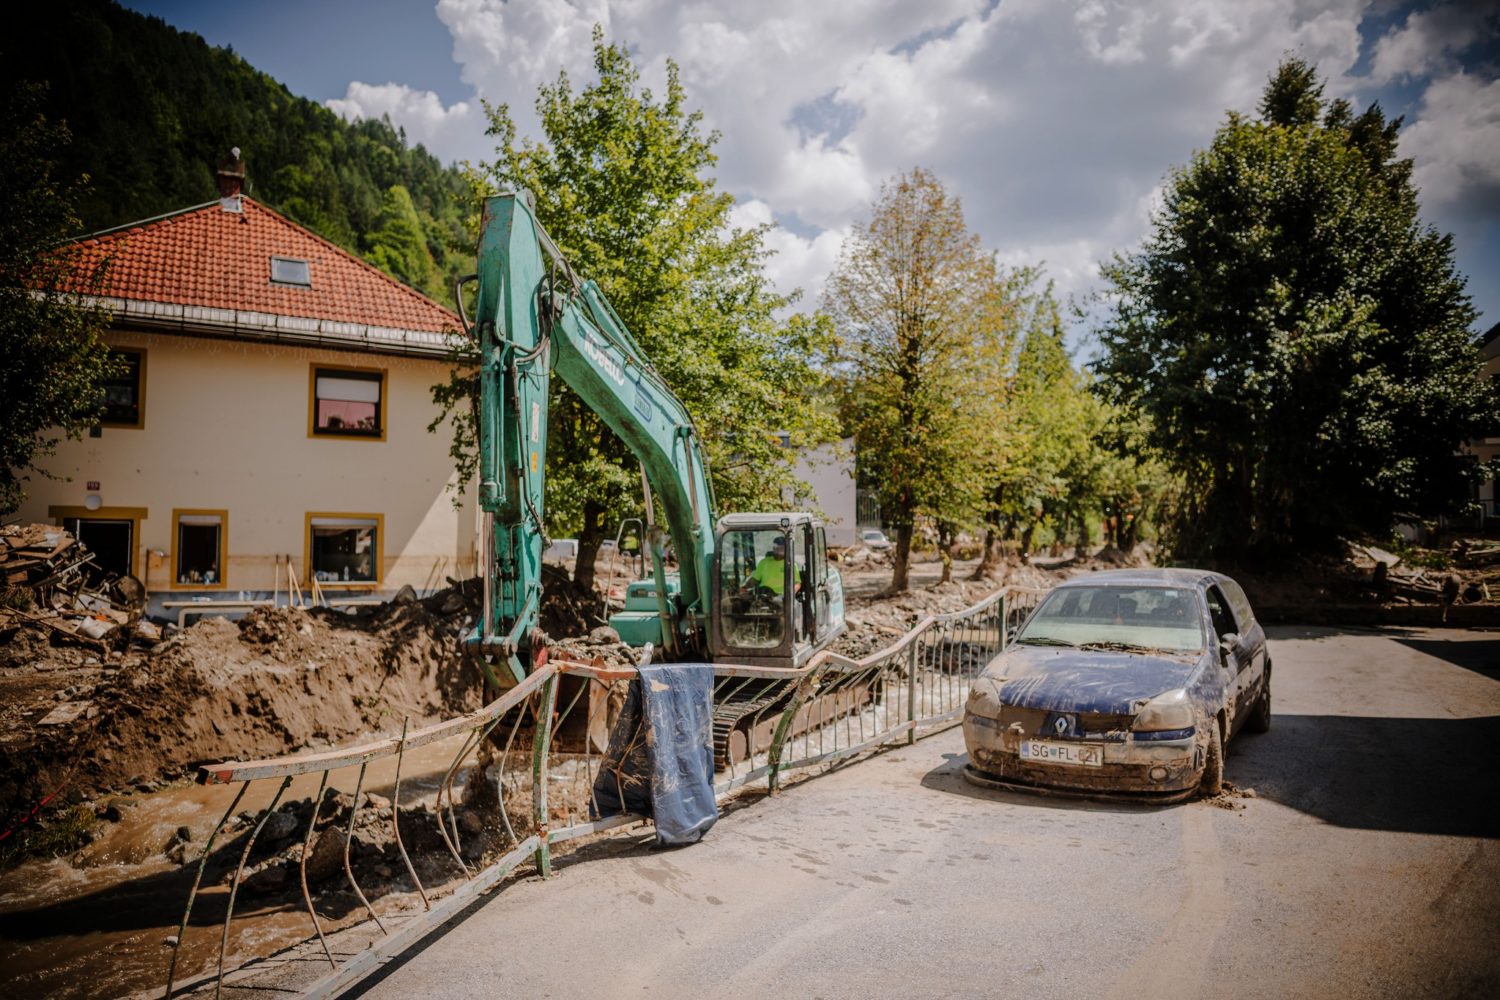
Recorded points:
211,258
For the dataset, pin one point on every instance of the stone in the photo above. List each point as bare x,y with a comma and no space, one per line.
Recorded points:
327,857
279,825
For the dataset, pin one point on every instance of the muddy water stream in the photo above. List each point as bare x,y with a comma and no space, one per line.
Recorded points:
96,924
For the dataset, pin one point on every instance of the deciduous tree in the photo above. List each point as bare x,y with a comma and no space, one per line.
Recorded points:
1298,337
52,355
916,304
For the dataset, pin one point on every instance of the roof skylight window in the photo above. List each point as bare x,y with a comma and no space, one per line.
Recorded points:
291,271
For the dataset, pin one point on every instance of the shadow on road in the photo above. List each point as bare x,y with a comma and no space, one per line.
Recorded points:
1404,775
948,777
1482,657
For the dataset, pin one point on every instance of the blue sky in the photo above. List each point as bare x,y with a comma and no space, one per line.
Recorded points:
1055,120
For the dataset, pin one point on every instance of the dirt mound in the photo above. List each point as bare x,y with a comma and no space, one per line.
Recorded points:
279,680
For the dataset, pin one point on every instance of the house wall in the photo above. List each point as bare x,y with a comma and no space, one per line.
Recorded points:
226,427
829,473
1487,449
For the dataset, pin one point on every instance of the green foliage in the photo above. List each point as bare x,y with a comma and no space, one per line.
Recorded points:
623,185
153,110
53,359
398,246
915,300
1299,341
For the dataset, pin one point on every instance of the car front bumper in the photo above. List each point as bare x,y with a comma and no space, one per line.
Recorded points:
1155,768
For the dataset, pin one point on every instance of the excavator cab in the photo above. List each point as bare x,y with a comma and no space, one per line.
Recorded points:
776,600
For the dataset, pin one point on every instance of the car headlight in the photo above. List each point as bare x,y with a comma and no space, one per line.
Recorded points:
984,698
1166,711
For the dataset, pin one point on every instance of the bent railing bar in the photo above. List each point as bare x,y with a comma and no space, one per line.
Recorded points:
396,820
234,886
197,881
307,845
275,767
541,740
447,784
515,727
359,783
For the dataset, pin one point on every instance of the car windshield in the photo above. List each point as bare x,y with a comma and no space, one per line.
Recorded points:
1129,618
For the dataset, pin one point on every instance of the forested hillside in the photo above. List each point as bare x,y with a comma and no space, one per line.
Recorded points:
152,110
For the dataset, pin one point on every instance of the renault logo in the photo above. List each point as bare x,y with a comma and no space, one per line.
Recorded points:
1061,725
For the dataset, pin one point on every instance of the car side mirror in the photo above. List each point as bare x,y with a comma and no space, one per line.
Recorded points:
1229,642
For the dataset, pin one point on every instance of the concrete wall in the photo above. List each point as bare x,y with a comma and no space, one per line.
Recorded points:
829,474
226,427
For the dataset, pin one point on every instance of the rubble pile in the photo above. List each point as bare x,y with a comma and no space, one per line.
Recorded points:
46,588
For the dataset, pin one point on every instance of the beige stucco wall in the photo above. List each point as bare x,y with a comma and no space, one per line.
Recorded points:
226,427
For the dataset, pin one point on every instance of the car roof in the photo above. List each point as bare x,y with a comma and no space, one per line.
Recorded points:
1144,576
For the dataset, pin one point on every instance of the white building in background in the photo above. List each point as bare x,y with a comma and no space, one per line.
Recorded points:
828,471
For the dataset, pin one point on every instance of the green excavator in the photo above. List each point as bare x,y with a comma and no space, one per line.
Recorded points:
731,600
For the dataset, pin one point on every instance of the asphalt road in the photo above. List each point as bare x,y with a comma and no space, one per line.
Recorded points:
1367,865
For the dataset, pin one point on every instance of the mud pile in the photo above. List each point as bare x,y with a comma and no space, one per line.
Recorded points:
279,680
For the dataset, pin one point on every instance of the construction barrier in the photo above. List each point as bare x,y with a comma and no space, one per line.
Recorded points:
549,733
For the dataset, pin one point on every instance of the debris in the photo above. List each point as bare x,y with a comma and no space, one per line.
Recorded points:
67,712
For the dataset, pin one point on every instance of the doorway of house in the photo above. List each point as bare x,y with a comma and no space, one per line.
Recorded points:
110,539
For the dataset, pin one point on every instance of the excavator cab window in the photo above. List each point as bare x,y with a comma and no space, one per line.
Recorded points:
820,582
755,576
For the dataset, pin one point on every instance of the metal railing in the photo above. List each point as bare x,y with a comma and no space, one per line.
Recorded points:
545,741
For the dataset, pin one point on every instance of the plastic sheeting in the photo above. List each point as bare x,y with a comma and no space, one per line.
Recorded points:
660,761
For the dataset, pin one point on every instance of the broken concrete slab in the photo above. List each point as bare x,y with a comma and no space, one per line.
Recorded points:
69,711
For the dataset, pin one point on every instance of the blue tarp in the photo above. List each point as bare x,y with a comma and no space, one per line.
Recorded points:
660,761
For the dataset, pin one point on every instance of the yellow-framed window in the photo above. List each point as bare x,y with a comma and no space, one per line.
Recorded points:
344,550
346,402
200,549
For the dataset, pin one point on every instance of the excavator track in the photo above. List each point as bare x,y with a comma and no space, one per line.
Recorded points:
748,723
734,720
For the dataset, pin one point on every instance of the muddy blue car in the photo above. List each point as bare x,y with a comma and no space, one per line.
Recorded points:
1124,683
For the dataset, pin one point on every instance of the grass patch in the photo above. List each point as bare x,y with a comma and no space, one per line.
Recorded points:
63,832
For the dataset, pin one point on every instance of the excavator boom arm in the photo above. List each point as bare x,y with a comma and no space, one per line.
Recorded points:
534,316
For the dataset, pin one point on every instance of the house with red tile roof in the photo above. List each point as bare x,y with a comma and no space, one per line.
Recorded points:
270,429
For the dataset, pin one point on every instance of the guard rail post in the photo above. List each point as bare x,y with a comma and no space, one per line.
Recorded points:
541,742
911,693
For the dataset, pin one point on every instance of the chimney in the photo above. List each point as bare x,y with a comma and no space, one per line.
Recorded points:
231,181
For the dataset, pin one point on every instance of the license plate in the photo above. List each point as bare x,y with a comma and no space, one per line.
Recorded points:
1048,752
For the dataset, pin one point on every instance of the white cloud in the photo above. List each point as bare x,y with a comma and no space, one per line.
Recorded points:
1456,143
446,132
796,262
1427,42
1054,120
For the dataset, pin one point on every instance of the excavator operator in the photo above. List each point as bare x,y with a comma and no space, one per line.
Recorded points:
770,572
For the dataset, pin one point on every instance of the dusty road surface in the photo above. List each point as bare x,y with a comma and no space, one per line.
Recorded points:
1367,865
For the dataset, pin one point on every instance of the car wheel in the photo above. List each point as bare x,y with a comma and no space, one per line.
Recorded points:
1212,782
1260,716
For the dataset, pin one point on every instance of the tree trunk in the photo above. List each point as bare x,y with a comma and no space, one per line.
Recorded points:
1026,536
945,551
987,558
901,562
589,538
1082,549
